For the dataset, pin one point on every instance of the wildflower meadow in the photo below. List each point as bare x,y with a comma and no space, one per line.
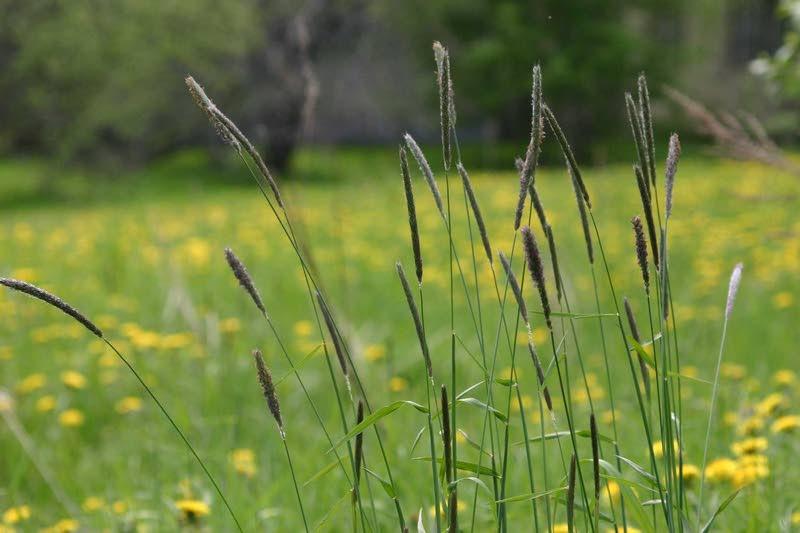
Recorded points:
410,345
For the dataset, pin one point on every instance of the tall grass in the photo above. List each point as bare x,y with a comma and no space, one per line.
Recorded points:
565,482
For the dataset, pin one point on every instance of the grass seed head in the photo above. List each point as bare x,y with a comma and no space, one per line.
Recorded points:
641,251
241,274
412,213
595,455
571,482
418,326
447,436
673,155
540,374
515,288
733,288
534,260
333,332
359,448
446,105
427,173
641,182
476,211
268,388
51,299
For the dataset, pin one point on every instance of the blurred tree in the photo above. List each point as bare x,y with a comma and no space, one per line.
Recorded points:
590,53
782,69
91,80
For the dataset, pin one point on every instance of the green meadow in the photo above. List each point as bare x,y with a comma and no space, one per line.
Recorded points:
82,447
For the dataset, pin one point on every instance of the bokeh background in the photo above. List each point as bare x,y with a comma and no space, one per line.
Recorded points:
117,194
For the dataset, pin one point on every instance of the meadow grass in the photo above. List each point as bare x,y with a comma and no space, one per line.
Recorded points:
329,316
152,272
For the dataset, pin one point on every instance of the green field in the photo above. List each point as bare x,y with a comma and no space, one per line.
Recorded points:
142,257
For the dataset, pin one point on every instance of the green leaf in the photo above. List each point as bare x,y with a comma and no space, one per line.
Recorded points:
416,439
474,444
420,525
373,418
642,353
465,466
578,316
387,487
630,483
531,496
477,403
639,469
327,468
637,509
585,433
691,378
299,365
469,389
471,479
726,502
324,520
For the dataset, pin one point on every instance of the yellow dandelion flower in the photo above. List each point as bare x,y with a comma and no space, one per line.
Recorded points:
67,525
730,418
733,371
611,492
527,403
31,383
461,504
174,341
303,328
73,379
782,300
751,426
5,353
770,404
244,461
522,338
721,469
45,404
540,335
786,424
373,352
784,378
561,528
128,404
796,518
750,469
505,373
230,325
93,503
658,448
71,418
398,384
749,446
27,274
15,515
192,510
119,507
690,473
108,360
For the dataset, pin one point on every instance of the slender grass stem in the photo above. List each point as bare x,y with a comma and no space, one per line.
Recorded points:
294,480
639,399
177,430
310,281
